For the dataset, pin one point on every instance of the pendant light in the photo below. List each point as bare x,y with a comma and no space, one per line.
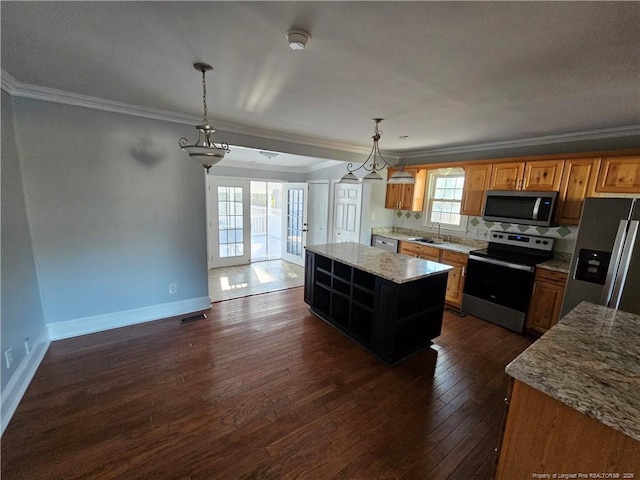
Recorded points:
402,177
204,151
372,165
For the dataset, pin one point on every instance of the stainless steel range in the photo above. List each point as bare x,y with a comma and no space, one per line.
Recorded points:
500,278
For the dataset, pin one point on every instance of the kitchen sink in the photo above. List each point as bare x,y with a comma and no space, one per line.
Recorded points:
436,241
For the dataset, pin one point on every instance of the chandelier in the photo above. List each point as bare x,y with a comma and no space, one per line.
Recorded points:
204,151
372,165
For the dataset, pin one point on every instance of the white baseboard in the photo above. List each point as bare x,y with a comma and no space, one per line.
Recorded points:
17,385
99,323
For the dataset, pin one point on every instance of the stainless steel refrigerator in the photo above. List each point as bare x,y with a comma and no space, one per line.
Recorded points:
605,268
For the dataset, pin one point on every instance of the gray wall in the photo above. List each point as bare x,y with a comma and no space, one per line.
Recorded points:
117,211
21,306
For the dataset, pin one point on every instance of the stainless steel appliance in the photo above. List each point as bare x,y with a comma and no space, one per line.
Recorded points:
529,208
605,268
385,243
500,278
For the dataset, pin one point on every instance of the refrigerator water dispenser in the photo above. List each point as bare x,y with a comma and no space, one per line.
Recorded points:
592,266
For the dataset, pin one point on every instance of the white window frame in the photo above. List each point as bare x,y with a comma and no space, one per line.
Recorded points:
430,193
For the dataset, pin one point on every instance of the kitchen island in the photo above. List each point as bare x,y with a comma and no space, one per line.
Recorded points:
390,304
574,406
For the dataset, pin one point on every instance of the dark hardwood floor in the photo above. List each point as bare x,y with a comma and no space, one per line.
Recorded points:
261,389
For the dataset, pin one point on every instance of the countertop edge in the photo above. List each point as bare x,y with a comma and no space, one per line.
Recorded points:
541,367
441,268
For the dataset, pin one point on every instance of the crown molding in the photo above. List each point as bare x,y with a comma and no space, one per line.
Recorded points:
598,134
20,89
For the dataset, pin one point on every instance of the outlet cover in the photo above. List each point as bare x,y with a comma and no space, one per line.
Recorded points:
173,288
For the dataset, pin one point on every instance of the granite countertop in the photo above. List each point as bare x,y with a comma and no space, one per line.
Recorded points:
454,247
589,361
388,265
557,264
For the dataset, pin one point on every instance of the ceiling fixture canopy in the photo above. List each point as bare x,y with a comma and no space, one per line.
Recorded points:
204,151
372,165
298,39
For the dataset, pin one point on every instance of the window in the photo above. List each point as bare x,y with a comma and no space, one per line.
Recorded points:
444,198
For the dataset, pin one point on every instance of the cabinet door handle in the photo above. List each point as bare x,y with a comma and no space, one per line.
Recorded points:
464,271
534,288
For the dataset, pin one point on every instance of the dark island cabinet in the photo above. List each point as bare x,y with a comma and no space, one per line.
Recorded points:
390,320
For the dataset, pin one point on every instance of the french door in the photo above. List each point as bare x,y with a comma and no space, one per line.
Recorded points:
294,224
229,228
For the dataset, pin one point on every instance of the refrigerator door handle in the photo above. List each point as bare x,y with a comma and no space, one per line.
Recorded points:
621,276
616,254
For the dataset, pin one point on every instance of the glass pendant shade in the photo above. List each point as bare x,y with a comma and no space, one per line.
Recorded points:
349,178
373,177
205,151
402,177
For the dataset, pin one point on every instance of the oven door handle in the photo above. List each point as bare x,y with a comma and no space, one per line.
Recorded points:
502,263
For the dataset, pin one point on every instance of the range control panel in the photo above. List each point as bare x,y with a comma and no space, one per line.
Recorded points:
520,240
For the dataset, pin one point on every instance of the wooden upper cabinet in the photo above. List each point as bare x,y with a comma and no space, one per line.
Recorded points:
506,176
476,182
619,175
542,175
578,182
407,196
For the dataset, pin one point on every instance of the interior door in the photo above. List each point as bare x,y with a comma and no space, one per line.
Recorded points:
318,213
229,225
294,225
347,209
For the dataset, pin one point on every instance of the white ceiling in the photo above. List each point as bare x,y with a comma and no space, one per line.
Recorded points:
446,74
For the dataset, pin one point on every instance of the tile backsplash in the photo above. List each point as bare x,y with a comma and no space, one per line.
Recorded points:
478,229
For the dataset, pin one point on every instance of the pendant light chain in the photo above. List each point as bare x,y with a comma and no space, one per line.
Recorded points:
204,96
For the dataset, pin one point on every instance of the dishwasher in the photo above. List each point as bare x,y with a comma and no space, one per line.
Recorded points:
385,243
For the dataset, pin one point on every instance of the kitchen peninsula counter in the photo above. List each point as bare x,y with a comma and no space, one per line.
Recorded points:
575,403
390,304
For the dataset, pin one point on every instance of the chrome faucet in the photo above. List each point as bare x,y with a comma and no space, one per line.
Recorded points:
438,223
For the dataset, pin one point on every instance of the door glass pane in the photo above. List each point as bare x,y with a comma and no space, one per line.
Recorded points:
230,233
294,221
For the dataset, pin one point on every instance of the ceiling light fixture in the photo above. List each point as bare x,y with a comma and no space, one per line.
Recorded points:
269,155
371,164
298,39
204,151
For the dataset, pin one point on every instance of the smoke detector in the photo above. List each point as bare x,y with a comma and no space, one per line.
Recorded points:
298,38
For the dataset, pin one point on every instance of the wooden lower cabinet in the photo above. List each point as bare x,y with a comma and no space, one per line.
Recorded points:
421,251
546,300
455,282
544,436
457,260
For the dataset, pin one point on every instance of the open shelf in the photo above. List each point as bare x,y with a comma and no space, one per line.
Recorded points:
389,319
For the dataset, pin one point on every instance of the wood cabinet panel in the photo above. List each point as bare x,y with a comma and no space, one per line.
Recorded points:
477,179
546,300
421,251
543,175
506,176
619,175
543,435
578,182
455,282
407,196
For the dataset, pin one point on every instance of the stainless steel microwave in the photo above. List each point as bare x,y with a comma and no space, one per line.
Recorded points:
529,208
